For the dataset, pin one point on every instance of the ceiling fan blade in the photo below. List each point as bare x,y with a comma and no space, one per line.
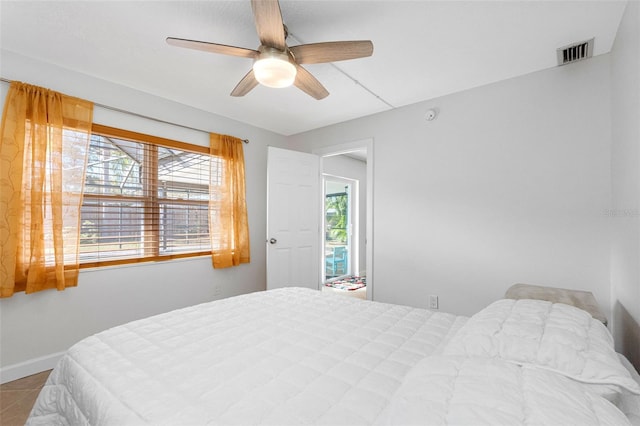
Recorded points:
309,84
318,53
245,85
212,47
269,23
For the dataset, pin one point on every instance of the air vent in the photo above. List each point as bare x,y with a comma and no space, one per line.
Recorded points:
575,52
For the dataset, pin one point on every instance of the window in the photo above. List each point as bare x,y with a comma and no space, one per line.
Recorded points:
145,198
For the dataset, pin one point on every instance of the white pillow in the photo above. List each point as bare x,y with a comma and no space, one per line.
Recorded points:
553,336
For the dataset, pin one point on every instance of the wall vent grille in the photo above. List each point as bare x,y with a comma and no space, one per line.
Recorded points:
575,52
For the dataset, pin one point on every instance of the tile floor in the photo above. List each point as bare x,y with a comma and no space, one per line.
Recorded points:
17,398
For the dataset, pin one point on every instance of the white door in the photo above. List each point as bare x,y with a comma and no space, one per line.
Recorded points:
293,236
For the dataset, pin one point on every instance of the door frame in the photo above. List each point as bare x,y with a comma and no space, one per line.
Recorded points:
345,148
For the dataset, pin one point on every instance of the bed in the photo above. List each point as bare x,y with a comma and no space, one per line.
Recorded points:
297,356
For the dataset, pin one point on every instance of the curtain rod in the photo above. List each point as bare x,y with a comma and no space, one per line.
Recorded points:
138,115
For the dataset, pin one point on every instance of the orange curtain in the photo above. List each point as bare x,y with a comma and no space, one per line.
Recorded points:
228,224
43,153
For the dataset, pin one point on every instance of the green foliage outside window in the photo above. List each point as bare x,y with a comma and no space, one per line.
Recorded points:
336,217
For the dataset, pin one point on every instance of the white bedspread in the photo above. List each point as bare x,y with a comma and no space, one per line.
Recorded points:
289,356
450,390
298,357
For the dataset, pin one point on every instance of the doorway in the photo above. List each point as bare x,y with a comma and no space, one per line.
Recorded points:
349,163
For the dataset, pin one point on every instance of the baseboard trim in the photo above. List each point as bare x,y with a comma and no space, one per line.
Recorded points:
28,368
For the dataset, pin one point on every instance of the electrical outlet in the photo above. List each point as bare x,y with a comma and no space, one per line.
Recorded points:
433,301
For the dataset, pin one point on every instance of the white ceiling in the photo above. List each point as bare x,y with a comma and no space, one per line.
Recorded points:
422,49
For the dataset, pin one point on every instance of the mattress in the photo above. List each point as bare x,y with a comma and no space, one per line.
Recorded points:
286,356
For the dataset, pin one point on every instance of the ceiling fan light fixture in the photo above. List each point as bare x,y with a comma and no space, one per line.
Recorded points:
274,69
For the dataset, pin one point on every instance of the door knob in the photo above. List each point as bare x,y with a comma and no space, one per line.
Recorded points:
273,241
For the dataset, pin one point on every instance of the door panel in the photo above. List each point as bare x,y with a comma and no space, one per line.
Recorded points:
292,219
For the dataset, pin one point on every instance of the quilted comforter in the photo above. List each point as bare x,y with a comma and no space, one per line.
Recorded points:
446,390
297,356
288,356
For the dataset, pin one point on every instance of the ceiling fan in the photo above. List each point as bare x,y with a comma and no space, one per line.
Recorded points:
276,64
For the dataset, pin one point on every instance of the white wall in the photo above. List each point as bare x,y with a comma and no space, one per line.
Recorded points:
625,165
343,166
42,324
509,184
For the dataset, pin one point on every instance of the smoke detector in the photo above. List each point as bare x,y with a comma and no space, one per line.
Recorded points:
575,52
